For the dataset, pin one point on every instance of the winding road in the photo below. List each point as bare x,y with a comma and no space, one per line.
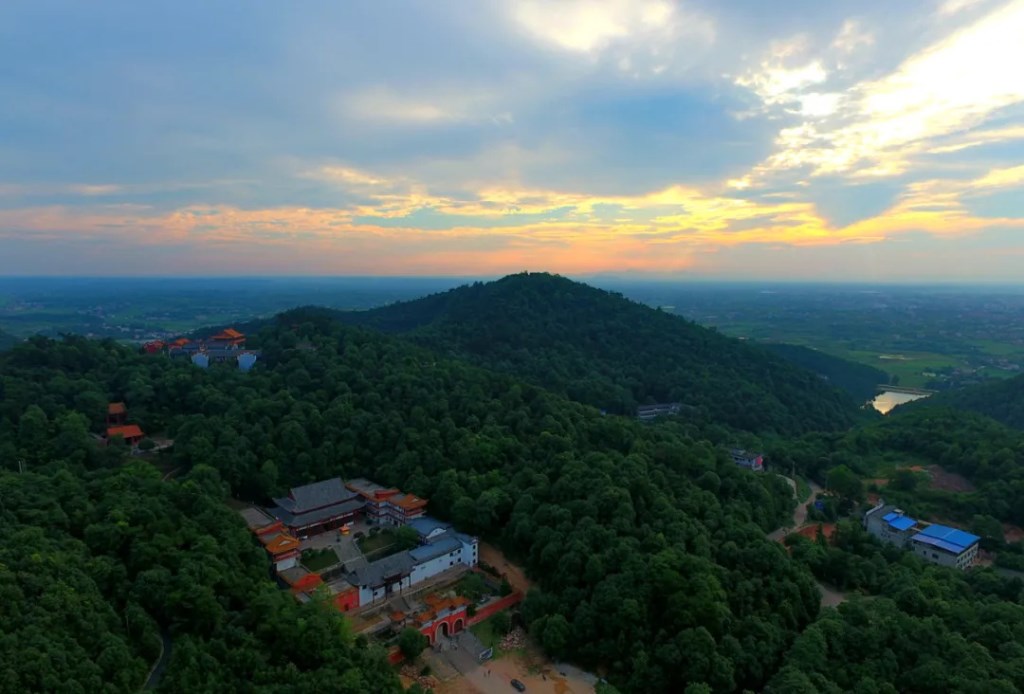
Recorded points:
830,597
800,513
153,681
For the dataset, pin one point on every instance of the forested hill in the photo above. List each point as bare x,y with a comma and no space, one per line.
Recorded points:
646,544
859,380
1002,400
596,508
599,348
7,340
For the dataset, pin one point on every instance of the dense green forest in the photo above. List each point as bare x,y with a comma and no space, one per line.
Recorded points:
560,486
1002,400
7,340
985,452
101,560
911,627
859,380
599,348
646,543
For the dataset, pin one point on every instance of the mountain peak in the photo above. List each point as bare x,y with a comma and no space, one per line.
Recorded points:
605,350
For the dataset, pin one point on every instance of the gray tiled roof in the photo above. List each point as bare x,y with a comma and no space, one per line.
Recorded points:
256,518
442,546
373,574
298,520
316,495
426,525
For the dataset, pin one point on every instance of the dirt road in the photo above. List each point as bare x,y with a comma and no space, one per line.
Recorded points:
495,677
799,514
493,556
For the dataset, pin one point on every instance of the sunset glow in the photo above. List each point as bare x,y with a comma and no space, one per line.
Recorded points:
684,139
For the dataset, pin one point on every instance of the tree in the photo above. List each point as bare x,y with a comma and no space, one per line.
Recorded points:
406,537
501,622
905,480
411,642
555,635
845,483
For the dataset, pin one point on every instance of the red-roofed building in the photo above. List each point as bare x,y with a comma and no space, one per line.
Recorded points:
117,413
307,583
284,549
131,433
388,506
228,338
443,617
153,347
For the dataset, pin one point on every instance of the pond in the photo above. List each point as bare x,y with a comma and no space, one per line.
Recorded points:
888,399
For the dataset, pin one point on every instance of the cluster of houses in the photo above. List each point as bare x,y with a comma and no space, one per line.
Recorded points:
938,544
747,460
117,426
646,413
226,346
333,505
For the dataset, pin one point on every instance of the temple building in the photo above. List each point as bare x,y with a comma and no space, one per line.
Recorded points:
283,548
441,549
131,433
317,507
117,414
227,339
388,506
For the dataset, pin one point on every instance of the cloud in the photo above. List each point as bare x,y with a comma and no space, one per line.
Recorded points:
645,37
853,36
347,176
571,135
446,105
951,7
949,88
19,190
1001,178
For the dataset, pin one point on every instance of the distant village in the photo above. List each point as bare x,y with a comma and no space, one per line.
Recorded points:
225,346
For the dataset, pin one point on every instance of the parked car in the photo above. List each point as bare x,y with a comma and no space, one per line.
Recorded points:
518,686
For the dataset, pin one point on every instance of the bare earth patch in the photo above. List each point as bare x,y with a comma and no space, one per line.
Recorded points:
530,668
811,531
1013,533
948,481
493,556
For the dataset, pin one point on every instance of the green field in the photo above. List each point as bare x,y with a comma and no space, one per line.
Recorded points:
909,369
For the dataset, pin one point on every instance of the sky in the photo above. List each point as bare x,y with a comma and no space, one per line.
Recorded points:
690,139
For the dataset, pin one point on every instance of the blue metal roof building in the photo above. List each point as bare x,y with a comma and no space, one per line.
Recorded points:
898,521
945,546
950,539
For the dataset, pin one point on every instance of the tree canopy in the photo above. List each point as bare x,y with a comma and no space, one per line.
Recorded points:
599,348
646,543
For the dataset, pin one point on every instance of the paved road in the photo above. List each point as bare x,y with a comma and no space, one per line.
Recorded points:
166,647
830,597
799,514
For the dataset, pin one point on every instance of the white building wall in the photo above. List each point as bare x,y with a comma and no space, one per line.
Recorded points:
427,569
287,563
365,596
886,533
934,555
470,553
401,585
